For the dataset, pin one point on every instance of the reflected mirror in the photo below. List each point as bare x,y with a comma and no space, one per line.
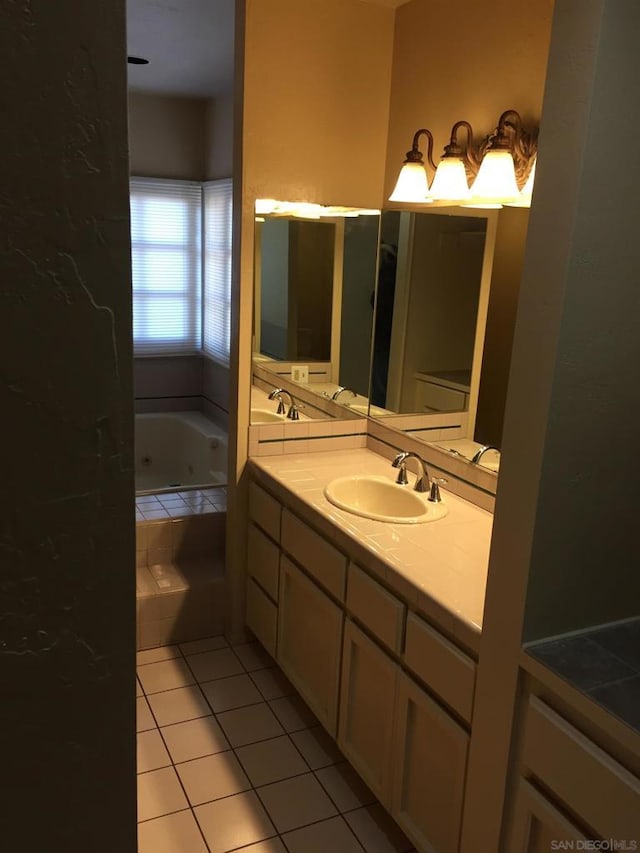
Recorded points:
314,286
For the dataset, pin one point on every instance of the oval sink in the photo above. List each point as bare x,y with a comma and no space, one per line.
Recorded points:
382,500
265,416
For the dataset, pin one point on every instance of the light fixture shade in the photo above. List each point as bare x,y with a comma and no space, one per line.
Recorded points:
450,181
412,184
496,180
524,198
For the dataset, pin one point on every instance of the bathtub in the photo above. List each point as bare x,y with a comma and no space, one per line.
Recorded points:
178,449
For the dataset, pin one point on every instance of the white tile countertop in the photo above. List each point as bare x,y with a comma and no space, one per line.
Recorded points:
439,567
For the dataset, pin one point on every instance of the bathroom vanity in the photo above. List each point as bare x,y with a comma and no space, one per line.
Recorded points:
377,625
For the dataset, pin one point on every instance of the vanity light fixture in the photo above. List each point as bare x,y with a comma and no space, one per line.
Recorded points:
524,198
501,164
412,184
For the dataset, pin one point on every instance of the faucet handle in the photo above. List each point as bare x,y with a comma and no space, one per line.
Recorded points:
293,413
399,461
434,494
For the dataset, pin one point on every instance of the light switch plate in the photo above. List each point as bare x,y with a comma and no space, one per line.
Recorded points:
300,373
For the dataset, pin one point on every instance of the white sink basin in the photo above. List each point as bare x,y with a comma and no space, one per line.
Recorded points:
381,499
265,416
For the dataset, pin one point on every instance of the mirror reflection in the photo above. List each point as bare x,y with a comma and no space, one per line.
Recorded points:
314,284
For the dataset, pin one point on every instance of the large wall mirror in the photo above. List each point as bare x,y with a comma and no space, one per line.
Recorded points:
314,294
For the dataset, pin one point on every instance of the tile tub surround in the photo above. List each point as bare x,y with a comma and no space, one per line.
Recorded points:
179,573
257,773
439,568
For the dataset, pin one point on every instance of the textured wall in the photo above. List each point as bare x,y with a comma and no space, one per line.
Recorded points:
67,593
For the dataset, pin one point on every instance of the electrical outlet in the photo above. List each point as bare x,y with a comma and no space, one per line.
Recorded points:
300,373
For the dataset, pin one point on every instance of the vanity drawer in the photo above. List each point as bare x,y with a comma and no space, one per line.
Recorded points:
580,774
437,397
320,559
264,510
262,616
375,608
263,561
438,663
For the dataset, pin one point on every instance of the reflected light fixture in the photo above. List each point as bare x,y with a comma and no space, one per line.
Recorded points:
526,193
412,184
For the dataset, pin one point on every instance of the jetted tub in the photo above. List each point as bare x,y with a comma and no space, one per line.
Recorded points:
178,449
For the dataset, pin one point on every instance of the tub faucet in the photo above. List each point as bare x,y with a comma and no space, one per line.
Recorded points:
340,390
400,461
477,456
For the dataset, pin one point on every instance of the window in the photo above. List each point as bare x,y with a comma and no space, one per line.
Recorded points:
166,266
218,201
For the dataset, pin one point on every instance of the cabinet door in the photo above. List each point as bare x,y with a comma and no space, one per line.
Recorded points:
537,826
366,710
430,762
310,642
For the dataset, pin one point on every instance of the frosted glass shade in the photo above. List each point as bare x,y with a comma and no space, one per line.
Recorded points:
496,180
412,184
450,181
524,199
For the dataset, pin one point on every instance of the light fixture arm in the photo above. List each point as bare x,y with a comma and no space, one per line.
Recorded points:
415,155
468,154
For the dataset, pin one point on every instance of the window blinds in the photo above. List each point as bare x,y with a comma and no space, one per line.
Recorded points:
218,205
166,266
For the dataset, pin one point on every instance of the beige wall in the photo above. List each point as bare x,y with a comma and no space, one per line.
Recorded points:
316,99
167,136
219,137
469,61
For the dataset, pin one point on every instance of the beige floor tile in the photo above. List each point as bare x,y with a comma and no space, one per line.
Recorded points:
224,694
144,717
253,656
157,655
271,761
212,777
159,793
293,714
219,663
151,752
377,832
250,724
174,833
296,802
317,748
234,822
272,683
139,690
194,739
345,787
329,835
165,675
272,845
207,645
176,706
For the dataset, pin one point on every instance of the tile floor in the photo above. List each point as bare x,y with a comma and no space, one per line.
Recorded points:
229,758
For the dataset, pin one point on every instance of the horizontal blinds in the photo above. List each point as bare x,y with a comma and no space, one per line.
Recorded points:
218,205
166,266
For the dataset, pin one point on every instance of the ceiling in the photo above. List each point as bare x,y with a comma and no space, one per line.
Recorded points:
189,45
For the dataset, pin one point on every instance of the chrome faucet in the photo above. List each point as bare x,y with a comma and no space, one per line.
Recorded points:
276,394
340,390
477,456
400,461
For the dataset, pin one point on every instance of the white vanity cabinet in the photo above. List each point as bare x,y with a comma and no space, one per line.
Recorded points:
395,694
430,766
310,642
367,699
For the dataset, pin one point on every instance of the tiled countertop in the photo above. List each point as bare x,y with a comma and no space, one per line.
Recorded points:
439,567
